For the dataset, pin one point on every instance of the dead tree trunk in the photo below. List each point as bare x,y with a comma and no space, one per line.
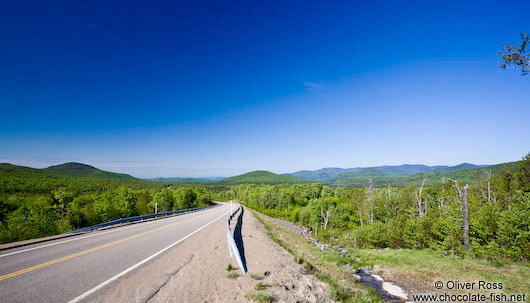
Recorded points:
371,200
443,192
488,174
419,199
326,217
359,210
466,220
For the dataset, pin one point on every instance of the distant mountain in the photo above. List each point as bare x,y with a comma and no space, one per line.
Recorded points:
84,170
322,174
431,177
332,174
187,180
262,177
77,176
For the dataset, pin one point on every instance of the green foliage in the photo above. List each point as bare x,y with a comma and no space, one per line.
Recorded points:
259,296
517,55
83,170
390,217
434,178
24,180
42,202
229,267
338,294
262,177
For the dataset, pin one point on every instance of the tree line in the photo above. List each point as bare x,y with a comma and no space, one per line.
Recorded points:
24,216
417,217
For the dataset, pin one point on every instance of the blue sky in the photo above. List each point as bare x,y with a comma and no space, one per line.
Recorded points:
199,88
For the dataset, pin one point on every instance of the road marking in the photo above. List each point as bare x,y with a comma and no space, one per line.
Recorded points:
90,236
26,270
123,273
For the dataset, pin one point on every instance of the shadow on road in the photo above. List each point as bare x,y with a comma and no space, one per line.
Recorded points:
239,238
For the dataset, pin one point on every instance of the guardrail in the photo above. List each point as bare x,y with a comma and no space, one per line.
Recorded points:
232,246
136,218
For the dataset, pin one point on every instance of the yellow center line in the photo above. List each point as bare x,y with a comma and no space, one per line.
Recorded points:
84,252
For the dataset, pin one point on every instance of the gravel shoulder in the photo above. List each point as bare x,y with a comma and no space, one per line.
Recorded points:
196,271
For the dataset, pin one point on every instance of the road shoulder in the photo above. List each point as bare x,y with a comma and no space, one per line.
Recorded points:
201,275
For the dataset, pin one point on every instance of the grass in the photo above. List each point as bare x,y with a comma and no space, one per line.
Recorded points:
414,270
232,275
256,276
259,296
260,286
319,264
298,259
427,266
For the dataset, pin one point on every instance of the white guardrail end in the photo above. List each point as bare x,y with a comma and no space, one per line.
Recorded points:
232,246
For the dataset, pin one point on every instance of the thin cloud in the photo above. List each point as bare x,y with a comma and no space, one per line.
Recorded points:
313,85
92,26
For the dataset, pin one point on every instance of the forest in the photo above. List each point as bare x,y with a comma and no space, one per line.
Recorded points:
419,217
36,203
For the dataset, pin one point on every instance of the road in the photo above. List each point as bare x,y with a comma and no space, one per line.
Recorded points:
78,268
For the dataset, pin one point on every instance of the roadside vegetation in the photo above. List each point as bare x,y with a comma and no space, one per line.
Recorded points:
42,202
259,296
343,286
410,217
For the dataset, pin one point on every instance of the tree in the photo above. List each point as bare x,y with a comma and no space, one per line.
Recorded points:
524,173
370,196
142,204
164,200
516,55
184,198
419,199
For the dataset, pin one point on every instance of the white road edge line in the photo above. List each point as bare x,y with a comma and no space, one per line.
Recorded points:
123,273
90,236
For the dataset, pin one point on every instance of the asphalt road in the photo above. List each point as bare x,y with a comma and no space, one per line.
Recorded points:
76,268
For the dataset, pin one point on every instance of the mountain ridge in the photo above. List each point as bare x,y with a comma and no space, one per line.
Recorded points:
70,169
262,177
327,173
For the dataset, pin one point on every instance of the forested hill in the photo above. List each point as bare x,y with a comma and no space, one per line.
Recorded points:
381,176
78,177
263,177
362,178
329,173
186,180
84,170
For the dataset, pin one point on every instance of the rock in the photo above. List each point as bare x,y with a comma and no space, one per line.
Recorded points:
356,277
356,259
394,290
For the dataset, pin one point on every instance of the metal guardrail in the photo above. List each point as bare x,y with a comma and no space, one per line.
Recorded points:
232,246
136,218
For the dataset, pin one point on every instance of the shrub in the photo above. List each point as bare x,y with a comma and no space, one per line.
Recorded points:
259,296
